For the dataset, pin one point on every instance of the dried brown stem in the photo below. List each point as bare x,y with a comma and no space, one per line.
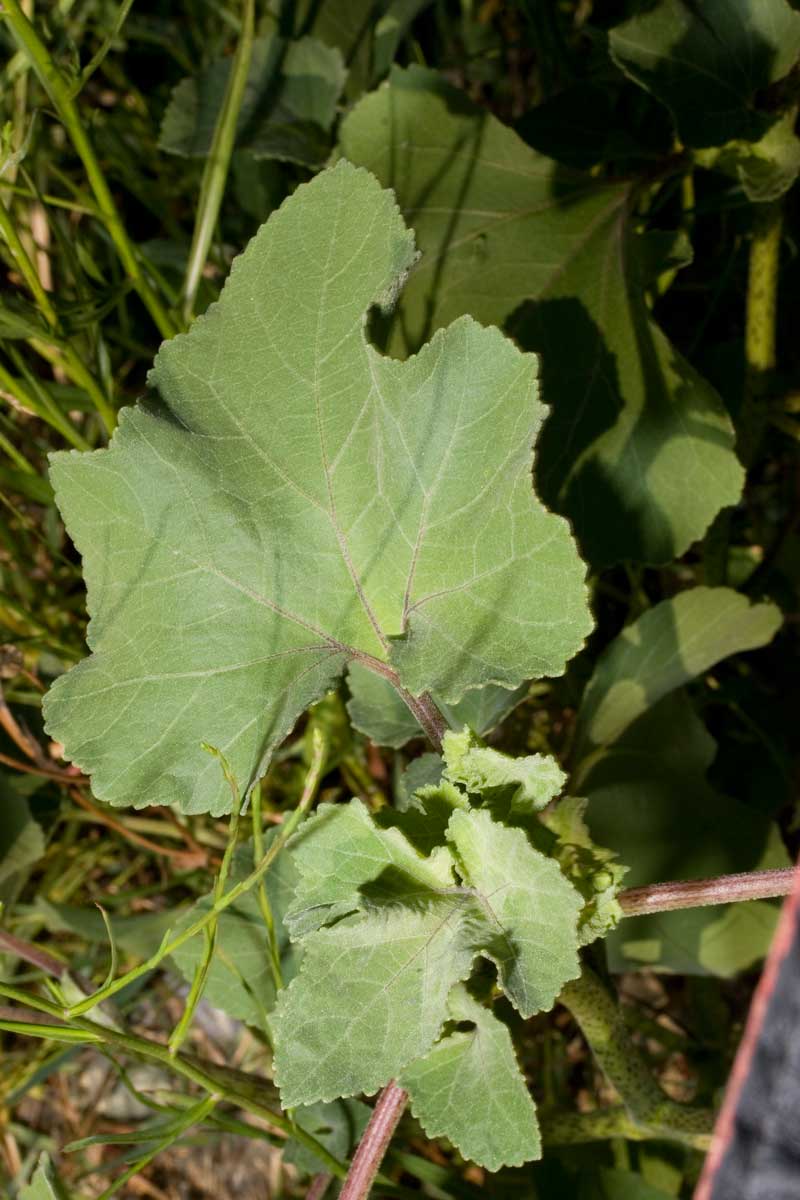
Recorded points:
697,893
183,858
46,771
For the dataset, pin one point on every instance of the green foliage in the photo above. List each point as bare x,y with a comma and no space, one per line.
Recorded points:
468,1088
289,103
21,842
530,782
352,459
392,933
638,451
710,63
377,710
241,980
323,538
649,800
671,644
44,1185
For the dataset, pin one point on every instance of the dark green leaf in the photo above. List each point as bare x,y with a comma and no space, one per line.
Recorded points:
708,61
638,450
650,802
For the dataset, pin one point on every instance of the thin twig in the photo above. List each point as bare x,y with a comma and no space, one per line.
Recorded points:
45,772
32,954
374,1143
697,893
183,858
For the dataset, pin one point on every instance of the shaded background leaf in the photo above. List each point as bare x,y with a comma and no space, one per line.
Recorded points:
638,450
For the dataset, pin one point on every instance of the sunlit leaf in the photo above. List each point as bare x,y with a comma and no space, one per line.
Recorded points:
295,502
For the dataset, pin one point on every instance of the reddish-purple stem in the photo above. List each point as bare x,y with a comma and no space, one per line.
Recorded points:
31,954
319,1186
697,893
374,1143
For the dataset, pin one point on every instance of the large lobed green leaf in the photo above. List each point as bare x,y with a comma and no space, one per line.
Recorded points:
295,502
371,995
638,450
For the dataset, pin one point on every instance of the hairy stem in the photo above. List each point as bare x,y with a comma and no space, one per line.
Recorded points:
601,1021
697,893
423,707
319,1186
374,1142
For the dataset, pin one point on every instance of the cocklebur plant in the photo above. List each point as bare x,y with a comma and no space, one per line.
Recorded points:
293,505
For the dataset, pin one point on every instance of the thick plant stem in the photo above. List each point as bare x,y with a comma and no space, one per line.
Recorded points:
698,893
602,1024
215,175
374,1143
64,102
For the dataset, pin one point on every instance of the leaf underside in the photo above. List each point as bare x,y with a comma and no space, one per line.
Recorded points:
296,502
469,1089
371,993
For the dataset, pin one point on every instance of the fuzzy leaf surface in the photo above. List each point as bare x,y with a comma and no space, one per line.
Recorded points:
341,848
469,1089
371,995
708,62
297,501
531,910
638,450
531,780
